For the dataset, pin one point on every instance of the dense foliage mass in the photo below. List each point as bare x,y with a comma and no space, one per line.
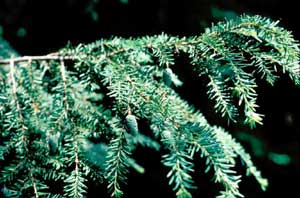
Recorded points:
73,116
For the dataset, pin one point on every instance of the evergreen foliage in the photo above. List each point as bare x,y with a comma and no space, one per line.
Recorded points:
73,115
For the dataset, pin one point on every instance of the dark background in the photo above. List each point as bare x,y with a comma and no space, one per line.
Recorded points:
35,27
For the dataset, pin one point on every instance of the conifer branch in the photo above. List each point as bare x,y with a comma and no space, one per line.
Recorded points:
66,106
228,140
24,139
220,93
216,157
116,168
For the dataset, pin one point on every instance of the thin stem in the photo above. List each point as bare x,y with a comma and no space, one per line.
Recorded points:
76,170
64,79
36,195
52,56
15,97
